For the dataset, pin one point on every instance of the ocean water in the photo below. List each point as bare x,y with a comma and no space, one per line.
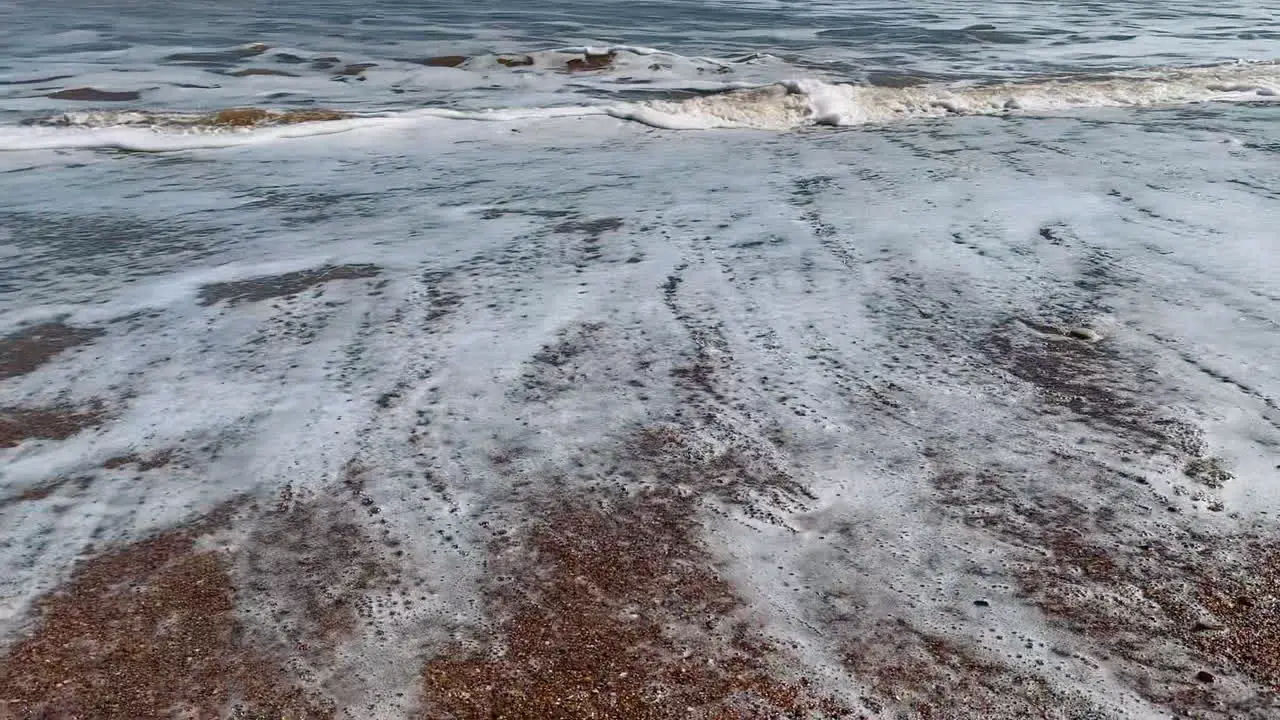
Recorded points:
640,359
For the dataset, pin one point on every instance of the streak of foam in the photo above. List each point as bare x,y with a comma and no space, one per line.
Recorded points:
169,138
230,118
138,131
773,107
513,114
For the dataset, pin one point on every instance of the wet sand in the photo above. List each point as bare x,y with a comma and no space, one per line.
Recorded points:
276,286
18,424
579,458
27,349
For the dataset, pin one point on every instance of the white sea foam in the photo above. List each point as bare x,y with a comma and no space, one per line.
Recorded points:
839,300
778,106
161,139
841,284
511,114
814,102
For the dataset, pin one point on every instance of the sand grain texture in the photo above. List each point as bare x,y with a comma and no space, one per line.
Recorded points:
146,631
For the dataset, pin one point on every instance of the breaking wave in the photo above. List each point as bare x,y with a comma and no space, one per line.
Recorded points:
798,103
778,106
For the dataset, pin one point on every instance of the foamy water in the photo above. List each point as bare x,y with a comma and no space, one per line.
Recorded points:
824,358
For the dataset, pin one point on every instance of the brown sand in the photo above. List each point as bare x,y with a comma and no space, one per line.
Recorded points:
150,461
305,574
52,423
934,676
251,117
28,349
1166,609
146,631
608,607
274,286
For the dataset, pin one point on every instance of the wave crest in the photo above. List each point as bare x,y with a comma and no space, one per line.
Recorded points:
803,102
221,120
778,106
